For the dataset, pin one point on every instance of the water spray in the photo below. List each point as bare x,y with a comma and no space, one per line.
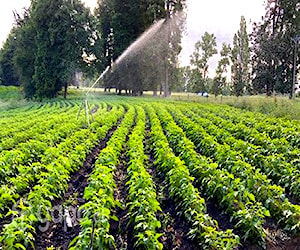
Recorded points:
139,42
85,104
138,46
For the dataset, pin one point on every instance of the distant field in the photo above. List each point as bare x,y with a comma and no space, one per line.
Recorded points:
278,106
147,174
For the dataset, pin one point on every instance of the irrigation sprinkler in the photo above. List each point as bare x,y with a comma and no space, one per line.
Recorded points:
296,41
85,104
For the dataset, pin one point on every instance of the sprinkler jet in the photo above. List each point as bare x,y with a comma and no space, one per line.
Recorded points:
85,105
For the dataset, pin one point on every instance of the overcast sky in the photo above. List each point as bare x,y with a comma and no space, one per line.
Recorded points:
215,16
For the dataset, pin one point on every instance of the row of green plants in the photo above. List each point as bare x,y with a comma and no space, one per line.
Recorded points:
229,193
273,127
246,133
34,130
143,205
14,162
27,121
27,174
245,115
99,194
269,119
275,166
10,92
272,196
189,203
23,113
53,182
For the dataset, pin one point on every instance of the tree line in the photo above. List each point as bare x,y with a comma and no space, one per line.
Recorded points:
54,39
260,62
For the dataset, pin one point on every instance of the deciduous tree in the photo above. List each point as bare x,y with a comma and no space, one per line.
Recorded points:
272,47
240,57
204,50
219,80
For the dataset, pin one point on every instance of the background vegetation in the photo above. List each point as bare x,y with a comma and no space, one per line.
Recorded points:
52,41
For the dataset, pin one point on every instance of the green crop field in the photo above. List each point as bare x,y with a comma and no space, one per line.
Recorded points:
147,174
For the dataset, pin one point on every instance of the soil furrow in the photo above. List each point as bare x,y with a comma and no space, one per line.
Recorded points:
58,233
174,230
120,229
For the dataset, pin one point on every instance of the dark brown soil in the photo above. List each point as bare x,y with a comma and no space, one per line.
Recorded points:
4,221
59,235
215,212
174,229
95,109
119,228
278,239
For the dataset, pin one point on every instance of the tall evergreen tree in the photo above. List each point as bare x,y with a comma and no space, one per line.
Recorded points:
63,35
8,72
25,52
103,47
240,58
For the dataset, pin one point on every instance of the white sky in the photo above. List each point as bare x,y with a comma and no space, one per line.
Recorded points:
219,17
214,16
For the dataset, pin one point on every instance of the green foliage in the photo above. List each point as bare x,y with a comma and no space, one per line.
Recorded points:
217,184
143,205
220,80
99,194
10,93
273,49
8,72
240,57
191,206
204,50
150,62
271,196
50,42
52,182
248,163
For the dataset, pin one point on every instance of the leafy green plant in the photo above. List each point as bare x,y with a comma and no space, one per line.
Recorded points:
188,201
99,194
271,196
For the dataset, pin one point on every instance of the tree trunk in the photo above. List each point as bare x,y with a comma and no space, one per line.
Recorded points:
166,84
155,93
65,90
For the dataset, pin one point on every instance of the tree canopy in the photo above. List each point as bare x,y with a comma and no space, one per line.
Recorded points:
272,47
54,39
204,50
50,42
240,57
